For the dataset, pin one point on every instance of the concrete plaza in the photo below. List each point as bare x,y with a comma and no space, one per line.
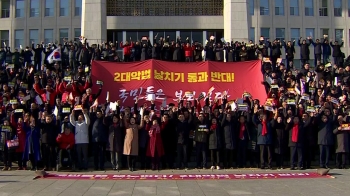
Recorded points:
20,183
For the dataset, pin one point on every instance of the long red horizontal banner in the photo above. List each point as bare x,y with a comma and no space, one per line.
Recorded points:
185,176
174,80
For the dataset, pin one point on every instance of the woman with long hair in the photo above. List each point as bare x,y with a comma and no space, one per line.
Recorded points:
116,140
131,142
155,148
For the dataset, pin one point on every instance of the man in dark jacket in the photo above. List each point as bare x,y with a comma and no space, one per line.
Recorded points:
27,56
326,51
49,132
325,139
296,140
337,53
304,50
201,139
99,139
264,139
2,56
183,131
37,56
317,50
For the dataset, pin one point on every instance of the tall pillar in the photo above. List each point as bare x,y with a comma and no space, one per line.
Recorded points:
236,20
94,21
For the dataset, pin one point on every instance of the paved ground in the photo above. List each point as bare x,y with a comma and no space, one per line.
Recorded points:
20,183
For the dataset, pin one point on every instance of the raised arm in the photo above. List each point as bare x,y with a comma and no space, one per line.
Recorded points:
86,116
72,118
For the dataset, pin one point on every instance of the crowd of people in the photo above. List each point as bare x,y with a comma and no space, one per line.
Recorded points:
51,118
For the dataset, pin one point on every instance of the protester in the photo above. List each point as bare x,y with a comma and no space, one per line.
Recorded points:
41,99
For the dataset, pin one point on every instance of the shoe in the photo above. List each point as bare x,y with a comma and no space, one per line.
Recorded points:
186,168
4,169
24,168
204,168
269,167
53,169
212,168
218,167
20,168
300,168
45,169
292,168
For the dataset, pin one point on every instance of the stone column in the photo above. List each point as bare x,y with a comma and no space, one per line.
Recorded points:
94,21
236,22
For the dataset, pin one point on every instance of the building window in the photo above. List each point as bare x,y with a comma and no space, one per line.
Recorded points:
280,34
309,32
64,7
49,7
20,8
77,34
19,38
252,34
5,37
323,8
63,35
251,7
294,34
34,8
339,35
294,8
279,7
48,36
309,7
324,32
264,7
34,36
5,9
78,5
337,4
165,8
265,32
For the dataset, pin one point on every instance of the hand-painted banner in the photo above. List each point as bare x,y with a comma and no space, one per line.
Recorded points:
174,80
185,176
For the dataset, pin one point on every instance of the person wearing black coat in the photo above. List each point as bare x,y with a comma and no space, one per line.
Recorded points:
337,53
326,48
310,141
242,143
201,139
49,132
317,50
116,137
183,127
296,141
325,139
177,52
264,140
215,143
280,139
137,51
304,50
342,150
229,139
37,56
146,50
275,48
289,50
168,135
99,139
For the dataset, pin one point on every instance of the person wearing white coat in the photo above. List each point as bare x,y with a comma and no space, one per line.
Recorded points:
81,138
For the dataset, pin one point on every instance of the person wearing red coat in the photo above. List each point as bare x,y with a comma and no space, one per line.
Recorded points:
127,50
21,135
155,148
48,94
188,52
65,142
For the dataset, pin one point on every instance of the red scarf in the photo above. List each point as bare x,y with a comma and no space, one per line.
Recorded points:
241,131
264,128
295,132
213,127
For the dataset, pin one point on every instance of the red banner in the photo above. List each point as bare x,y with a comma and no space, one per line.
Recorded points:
172,80
185,176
